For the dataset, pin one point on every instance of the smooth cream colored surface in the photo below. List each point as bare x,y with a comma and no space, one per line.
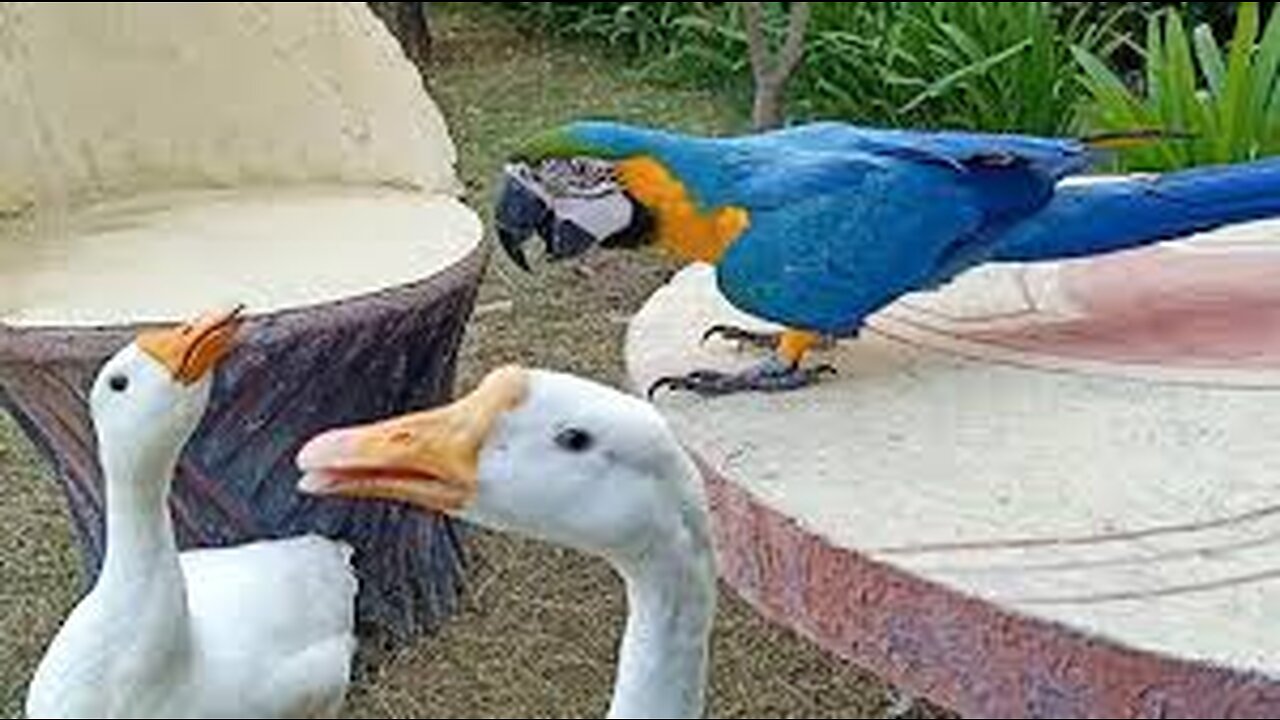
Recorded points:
169,256
105,99
1143,510
158,158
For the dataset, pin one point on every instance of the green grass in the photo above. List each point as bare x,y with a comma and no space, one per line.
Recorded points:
537,634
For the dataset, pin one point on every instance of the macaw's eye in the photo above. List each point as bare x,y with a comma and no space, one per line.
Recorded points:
575,440
118,383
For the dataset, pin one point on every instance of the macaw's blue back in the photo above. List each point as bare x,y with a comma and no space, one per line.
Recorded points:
844,220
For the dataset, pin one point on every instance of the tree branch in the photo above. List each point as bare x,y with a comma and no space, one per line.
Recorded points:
797,33
773,70
757,41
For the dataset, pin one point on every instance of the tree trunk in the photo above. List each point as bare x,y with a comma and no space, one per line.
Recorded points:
773,69
769,110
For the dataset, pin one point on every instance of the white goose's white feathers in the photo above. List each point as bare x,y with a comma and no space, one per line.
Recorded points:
571,462
258,631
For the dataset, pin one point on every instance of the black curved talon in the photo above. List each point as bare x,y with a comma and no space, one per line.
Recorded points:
692,382
821,370
666,383
770,376
742,336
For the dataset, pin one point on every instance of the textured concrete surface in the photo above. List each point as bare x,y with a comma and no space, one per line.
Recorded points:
1044,492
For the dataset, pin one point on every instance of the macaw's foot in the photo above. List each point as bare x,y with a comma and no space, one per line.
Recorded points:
768,377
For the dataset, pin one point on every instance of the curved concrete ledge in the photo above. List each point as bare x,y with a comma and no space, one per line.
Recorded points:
1008,502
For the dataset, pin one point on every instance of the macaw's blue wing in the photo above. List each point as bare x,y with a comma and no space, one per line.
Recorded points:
1124,213
830,243
1051,157
844,220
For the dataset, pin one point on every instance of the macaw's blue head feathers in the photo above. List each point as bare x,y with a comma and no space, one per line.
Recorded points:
562,185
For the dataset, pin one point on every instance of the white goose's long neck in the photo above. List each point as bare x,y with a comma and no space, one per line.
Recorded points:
662,666
141,582
140,540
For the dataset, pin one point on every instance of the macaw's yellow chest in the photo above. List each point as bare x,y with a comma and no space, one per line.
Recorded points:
684,229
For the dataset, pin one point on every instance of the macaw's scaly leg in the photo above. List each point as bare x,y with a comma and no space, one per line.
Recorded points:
779,373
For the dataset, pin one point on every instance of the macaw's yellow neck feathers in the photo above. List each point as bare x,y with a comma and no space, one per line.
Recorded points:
683,228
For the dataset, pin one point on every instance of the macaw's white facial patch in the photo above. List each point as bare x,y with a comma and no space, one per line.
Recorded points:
528,178
573,204
600,218
586,200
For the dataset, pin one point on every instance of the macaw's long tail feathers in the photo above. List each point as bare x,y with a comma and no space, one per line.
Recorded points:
1133,138
1095,218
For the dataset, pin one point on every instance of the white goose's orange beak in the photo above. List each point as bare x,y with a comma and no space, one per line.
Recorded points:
428,459
190,352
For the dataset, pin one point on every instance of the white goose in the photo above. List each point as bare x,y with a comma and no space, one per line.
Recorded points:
567,461
260,631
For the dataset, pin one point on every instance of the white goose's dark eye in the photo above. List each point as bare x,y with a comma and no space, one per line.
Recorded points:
575,440
118,383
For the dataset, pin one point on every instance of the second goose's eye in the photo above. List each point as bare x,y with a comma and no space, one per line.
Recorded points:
118,383
575,440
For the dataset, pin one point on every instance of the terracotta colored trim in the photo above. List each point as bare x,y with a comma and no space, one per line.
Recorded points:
977,658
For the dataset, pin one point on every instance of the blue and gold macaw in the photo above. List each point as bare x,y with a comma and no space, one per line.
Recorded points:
817,227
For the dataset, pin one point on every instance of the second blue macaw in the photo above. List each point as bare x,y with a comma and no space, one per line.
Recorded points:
817,227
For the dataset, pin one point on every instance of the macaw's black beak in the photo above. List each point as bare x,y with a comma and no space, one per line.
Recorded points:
570,226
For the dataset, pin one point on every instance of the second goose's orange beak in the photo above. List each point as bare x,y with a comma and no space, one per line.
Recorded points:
190,352
427,459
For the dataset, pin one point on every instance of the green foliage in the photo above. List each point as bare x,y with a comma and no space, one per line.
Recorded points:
645,28
985,66
1221,16
1227,98
989,66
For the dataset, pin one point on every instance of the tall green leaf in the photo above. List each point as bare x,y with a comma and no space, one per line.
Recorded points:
1227,97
